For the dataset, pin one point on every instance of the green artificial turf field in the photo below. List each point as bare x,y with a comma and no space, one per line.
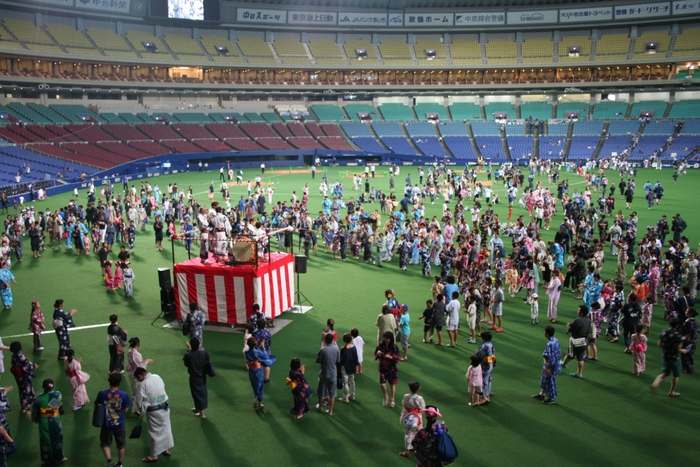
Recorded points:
610,417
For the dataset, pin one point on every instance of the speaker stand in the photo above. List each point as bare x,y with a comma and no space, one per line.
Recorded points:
300,299
160,315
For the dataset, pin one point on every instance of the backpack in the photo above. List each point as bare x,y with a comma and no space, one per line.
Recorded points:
187,325
446,448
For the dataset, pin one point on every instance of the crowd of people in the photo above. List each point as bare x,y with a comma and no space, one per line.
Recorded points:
481,261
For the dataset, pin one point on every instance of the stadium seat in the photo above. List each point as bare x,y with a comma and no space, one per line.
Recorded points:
612,47
537,50
255,47
465,52
662,41
538,110
584,44
465,111
396,113
687,43
27,32
501,51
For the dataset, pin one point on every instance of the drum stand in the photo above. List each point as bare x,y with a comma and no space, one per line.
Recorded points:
300,298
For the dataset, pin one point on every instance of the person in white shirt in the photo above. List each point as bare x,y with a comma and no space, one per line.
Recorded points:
152,399
452,310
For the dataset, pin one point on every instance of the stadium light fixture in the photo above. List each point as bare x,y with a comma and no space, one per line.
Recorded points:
361,54
149,46
430,54
222,50
650,47
574,51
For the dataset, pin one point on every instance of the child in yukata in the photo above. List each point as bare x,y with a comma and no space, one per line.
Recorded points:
129,278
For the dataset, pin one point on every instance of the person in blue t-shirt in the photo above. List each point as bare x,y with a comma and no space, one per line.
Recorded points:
116,403
449,288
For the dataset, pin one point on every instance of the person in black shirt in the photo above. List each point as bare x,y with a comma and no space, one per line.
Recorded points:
629,318
103,253
123,254
671,344
578,331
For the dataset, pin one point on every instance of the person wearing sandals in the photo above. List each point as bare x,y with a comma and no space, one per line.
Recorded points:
47,410
671,343
388,355
578,331
548,382
153,400
329,358
411,416
196,360
300,388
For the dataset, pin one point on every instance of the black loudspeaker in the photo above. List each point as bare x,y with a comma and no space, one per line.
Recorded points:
164,278
300,264
167,300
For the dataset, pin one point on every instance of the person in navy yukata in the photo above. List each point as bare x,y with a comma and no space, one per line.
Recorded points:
550,368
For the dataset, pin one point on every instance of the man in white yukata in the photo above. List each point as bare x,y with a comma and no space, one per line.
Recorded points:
203,225
152,399
222,228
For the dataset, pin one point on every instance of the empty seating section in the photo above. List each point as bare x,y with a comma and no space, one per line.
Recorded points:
623,127
396,112
552,147
687,43
108,40
137,38
691,127
646,147
15,158
395,50
328,113
565,107
111,117
295,129
388,129
520,146
460,147
584,44
258,130
182,44
685,109
74,112
28,114
351,46
225,131
660,127
662,41
27,32
465,111
537,50
399,145
326,51
503,51
430,146
284,131
334,142
559,129
353,109
492,108
252,117
485,128
452,129
369,144
422,45
538,110
270,117
357,130
610,110
210,42
125,133
515,130
194,117
612,47
68,36
159,132
419,129
130,118
422,109
291,51
304,142
192,131
48,113
582,128
614,144
255,47
491,147
658,107
328,129
583,147
682,146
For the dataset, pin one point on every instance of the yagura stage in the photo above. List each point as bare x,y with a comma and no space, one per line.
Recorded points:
226,294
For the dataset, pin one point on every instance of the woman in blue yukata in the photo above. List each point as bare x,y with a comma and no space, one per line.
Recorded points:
255,358
61,322
23,371
6,281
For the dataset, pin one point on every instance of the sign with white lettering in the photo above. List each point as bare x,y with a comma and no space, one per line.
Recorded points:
257,15
532,17
480,19
362,19
112,6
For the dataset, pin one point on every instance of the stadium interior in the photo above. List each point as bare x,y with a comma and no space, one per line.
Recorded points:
84,92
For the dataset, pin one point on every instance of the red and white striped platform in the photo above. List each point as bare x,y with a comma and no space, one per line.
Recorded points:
226,294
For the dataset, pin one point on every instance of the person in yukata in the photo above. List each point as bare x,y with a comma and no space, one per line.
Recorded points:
548,381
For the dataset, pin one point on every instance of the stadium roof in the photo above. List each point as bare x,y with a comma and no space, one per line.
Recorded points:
401,4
